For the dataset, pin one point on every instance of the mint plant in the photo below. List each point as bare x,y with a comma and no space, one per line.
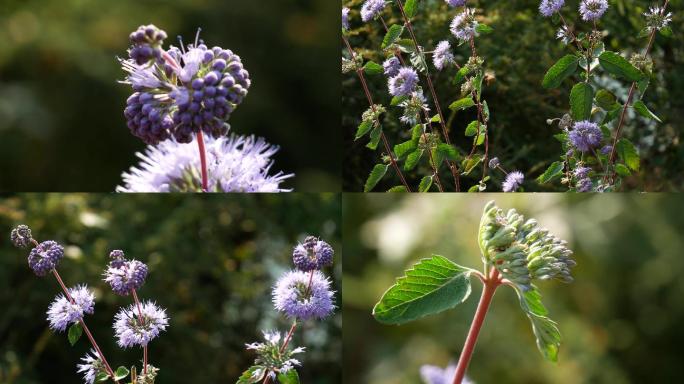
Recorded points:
596,155
515,253
134,326
301,295
412,91
180,95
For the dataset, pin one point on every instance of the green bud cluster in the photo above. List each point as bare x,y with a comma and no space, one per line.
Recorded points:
372,114
520,249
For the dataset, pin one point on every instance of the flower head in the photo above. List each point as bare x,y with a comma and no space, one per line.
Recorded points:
442,55
45,257
494,163
548,7
563,34
413,107
607,149
345,18
177,92
404,83
312,254
391,66
270,358
132,329
464,25
455,3
657,19
63,312
296,297
234,164
581,172
585,136
91,367
125,275
513,181
21,236
584,185
593,9
371,9
432,374
521,250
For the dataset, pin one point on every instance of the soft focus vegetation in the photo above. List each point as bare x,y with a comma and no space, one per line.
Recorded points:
620,319
212,259
62,126
520,50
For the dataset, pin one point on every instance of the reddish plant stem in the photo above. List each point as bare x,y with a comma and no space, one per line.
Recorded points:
203,160
110,372
140,321
409,26
491,283
385,142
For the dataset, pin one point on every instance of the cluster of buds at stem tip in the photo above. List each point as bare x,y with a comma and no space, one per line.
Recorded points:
520,249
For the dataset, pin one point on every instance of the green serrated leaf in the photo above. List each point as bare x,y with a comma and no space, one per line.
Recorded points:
666,32
643,110
373,68
443,152
605,99
619,66
461,74
376,174
581,101
252,375
628,153
462,104
484,29
363,129
429,287
471,129
290,377
545,330
612,114
121,373
554,171
410,8
412,160
435,119
425,184
102,376
563,68
396,100
622,170
416,132
374,138
405,148
398,188
393,33
75,332
470,164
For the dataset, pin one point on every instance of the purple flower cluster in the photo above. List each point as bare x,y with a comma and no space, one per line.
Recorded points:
593,9
124,275
304,295
391,66
432,374
464,25
585,136
183,92
404,82
21,236
371,9
312,254
131,329
345,18
584,185
442,55
455,3
63,312
548,7
45,257
91,367
146,44
513,181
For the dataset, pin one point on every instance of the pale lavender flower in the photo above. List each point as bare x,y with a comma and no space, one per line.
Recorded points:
391,66
548,7
513,181
371,9
63,312
585,136
270,358
345,18
404,83
293,295
125,275
442,55
585,185
582,172
128,330
234,164
464,25
607,149
593,9
312,254
494,163
455,3
656,18
563,34
413,107
432,374
45,257
91,367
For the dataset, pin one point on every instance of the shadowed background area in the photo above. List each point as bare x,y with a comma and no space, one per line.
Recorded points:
620,319
61,109
522,47
212,261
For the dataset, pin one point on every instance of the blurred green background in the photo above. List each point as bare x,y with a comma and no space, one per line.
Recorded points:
212,259
620,319
519,52
61,109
